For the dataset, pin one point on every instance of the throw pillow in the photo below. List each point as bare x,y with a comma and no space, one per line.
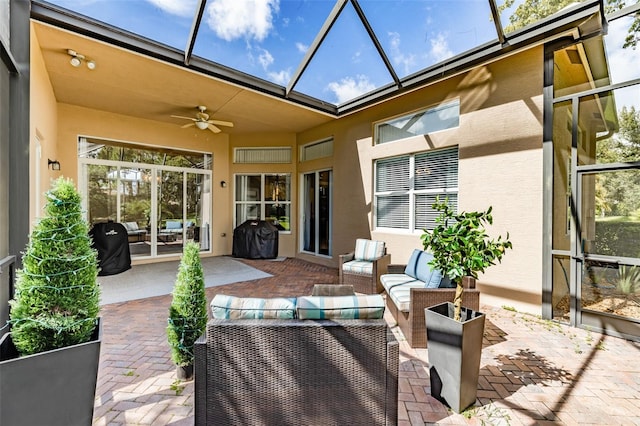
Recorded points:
370,306
368,250
231,307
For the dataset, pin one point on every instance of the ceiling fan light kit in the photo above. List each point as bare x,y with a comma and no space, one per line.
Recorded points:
202,122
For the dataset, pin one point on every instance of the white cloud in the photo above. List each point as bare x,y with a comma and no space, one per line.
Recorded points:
407,62
233,19
282,78
302,48
265,58
440,48
349,88
185,8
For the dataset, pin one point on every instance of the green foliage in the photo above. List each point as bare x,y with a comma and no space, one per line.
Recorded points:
628,281
57,295
531,11
461,246
459,242
188,310
617,238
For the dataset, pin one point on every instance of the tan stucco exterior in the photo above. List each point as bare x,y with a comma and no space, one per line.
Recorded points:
500,162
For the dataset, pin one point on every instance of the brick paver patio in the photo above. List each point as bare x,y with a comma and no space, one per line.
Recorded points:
533,372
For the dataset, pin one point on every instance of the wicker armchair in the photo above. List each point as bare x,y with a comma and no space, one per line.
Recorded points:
296,372
362,268
412,321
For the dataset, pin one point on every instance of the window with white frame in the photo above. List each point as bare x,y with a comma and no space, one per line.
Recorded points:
263,197
441,117
406,188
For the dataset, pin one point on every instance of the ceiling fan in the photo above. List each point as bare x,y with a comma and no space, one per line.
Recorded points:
202,122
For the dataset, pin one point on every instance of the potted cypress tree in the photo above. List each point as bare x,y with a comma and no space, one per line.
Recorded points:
461,249
49,360
188,311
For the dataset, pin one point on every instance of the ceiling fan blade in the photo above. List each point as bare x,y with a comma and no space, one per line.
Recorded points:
221,123
213,128
187,125
184,118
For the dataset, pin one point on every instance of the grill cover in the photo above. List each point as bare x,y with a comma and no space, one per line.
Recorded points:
255,239
112,242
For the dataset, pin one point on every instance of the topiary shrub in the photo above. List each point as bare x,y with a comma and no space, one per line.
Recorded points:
188,310
57,296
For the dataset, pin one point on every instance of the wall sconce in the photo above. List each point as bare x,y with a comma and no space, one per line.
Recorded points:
53,164
223,183
77,58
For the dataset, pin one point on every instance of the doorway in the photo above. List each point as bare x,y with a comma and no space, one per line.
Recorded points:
316,212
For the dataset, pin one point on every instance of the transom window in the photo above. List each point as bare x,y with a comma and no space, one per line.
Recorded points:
406,188
263,197
442,117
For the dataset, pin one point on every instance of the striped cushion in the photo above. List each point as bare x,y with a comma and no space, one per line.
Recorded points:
361,267
368,250
370,306
401,294
231,307
389,281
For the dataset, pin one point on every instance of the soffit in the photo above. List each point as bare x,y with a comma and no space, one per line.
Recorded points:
131,84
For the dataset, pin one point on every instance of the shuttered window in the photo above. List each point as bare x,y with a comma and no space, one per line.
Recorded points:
277,155
406,188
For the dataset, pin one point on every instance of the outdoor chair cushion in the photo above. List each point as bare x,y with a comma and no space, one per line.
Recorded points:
400,294
369,306
363,267
368,250
231,307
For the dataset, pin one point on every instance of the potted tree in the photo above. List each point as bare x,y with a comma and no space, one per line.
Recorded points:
49,360
461,249
188,311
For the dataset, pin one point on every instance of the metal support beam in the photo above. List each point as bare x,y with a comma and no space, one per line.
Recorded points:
375,41
495,14
191,41
328,23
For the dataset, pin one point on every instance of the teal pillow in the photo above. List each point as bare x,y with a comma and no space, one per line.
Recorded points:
419,268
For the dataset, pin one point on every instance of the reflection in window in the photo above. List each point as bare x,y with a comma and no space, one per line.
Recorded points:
99,149
445,116
264,197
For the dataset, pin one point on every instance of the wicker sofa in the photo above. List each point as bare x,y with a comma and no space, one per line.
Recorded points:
413,287
296,372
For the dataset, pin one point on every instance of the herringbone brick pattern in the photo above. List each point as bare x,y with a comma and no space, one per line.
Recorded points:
533,372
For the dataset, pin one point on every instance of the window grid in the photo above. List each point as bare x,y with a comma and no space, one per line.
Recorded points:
253,202
407,186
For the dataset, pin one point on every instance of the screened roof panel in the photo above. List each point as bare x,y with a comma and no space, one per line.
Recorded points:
291,44
419,34
167,22
347,63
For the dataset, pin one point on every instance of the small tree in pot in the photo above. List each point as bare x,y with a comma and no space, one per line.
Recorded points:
52,353
188,311
461,246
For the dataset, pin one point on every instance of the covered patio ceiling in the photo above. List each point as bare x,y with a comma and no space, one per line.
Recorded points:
147,78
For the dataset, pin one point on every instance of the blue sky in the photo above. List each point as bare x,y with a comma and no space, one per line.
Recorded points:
269,38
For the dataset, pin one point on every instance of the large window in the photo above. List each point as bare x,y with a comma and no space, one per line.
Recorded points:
442,117
264,197
406,188
162,196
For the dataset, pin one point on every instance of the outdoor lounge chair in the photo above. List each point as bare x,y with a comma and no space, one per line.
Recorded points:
297,371
362,267
412,289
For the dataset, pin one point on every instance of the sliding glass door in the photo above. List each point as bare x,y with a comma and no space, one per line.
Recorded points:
162,204
316,212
